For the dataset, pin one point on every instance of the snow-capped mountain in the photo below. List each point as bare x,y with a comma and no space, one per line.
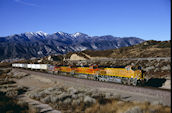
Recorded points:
78,34
38,44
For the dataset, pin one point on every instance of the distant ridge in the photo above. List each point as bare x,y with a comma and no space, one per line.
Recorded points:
39,44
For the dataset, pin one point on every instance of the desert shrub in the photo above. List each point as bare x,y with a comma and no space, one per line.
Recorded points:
47,99
88,100
9,105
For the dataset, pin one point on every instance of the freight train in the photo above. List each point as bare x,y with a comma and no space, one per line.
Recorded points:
127,75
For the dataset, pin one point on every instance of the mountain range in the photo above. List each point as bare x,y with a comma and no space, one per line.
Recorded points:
39,44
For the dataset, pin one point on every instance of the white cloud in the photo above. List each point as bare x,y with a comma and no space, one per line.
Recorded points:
26,3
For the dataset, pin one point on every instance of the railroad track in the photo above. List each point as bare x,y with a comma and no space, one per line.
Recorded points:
104,82
151,92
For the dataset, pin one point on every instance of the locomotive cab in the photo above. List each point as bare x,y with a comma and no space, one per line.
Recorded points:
128,68
136,75
139,75
93,67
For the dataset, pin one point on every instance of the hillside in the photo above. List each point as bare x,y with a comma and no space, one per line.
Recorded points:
146,49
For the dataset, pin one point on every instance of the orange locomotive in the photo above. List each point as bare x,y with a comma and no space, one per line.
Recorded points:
127,75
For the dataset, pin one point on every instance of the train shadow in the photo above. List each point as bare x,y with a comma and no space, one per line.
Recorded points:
155,82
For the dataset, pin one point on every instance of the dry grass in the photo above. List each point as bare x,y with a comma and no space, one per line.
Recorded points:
127,107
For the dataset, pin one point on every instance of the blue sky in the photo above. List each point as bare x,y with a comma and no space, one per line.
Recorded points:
146,19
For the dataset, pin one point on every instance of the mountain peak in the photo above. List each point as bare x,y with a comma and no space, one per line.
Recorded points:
41,33
61,33
78,34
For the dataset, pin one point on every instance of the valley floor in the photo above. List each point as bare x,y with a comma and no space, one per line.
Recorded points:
129,93
129,97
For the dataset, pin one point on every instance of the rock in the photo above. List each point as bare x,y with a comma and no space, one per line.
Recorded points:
149,68
90,91
57,92
10,73
42,94
60,102
108,95
46,91
74,96
120,103
72,90
22,103
80,95
157,64
51,89
47,99
156,69
116,96
30,95
37,96
88,99
76,102
67,101
97,94
166,67
54,98
63,96
156,103
11,93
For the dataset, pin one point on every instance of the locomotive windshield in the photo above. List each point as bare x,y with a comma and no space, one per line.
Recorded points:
133,68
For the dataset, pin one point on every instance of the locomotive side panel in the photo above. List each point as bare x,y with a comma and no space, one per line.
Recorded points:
86,70
65,69
119,72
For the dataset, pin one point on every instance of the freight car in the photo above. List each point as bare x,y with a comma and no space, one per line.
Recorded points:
127,75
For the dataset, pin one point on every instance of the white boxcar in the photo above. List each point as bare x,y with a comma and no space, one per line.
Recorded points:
24,65
14,65
44,66
19,65
35,66
29,65
38,66
32,66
